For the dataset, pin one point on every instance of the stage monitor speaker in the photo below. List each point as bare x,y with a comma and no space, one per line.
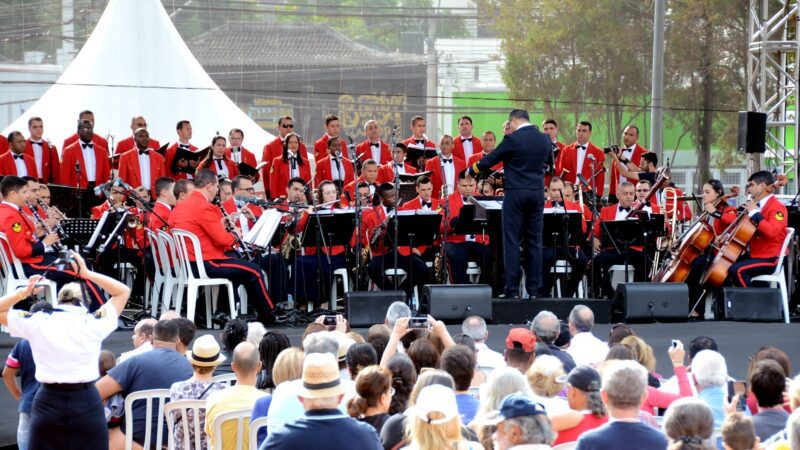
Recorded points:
458,301
367,308
651,302
752,132
752,304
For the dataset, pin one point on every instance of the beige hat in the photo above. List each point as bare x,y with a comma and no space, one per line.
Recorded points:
321,376
345,342
205,352
435,398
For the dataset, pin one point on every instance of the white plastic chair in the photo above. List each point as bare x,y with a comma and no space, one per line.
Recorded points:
342,273
151,396
226,379
193,283
15,276
242,418
256,425
157,297
779,276
174,284
183,406
617,273
562,267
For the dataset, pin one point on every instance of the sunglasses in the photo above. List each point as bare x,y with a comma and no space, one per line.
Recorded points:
287,126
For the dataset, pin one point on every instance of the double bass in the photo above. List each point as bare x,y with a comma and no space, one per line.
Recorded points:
733,242
692,244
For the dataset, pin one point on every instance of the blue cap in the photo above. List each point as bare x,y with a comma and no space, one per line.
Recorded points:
515,405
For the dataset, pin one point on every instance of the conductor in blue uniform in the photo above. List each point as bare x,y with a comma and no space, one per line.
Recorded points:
523,153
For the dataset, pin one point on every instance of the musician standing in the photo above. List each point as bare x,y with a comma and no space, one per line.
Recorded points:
523,153
291,164
334,167
141,166
466,144
217,160
418,138
129,143
632,152
386,171
369,175
373,147
97,140
199,216
449,163
332,128
48,165
15,161
85,163
582,158
274,149
184,130
237,153
550,128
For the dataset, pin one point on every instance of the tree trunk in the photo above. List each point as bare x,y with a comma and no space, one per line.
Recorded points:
707,114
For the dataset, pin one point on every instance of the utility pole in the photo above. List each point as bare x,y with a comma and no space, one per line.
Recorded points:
657,87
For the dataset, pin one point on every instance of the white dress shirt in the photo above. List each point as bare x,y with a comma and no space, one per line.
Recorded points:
760,205
236,155
628,153
621,215
487,358
467,146
144,169
581,150
38,151
586,349
337,168
294,168
449,173
19,163
376,151
401,168
89,161
221,167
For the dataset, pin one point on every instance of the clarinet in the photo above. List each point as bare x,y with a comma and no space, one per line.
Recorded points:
57,228
241,249
56,246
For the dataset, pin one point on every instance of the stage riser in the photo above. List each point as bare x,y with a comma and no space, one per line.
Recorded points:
522,311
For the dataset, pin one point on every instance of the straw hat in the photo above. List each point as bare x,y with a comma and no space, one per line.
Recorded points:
205,352
321,376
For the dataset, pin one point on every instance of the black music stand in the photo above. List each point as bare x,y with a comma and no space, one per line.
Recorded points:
338,230
413,229
490,216
408,191
110,226
78,230
632,232
64,198
465,223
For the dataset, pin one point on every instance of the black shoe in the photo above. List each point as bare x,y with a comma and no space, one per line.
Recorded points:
508,296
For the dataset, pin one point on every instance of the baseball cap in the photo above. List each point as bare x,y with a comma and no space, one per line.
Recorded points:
521,339
514,405
435,398
583,378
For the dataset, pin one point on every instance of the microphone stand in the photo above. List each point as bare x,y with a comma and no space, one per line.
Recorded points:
320,238
396,204
351,152
78,189
446,193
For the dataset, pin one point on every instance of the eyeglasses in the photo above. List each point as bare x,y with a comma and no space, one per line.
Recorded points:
250,189
287,125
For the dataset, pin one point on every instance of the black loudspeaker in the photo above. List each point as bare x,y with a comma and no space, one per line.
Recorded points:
752,132
458,301
651,302
752,304
367,308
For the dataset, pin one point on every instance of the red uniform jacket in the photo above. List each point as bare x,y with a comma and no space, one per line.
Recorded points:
351,187
364,152
8,167
386,172
477,157
51,165
727,216
233,168
324,172
570,206
434,166
96,140
636,158
371,219
131,173
199,216
412,141
456,203
73,154
3,144
247,157
568,159
20,231
414,205
231,209
128,144
279,175
321,147
771,230
458,147
272,150
163,210
169,155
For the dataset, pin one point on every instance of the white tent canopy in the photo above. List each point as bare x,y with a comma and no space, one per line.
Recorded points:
136,63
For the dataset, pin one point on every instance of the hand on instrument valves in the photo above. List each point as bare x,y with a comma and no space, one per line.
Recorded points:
50,239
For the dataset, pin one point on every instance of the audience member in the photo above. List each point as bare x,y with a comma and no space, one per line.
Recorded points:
404,376
271,345
521,424
157,369
322,426
768,382
379,329
142,338
288,367
583,395
584,347
374,393
710,374
774,354
619,332
424,354
689,424
502,382
624,388
738,433
643,354
459,362
204,357
478,374
564,336
396,311
520,346
243,394
543,379
356,337
378,342
546,327
358,357
235,332
487,359
255,332
793,427
434,423
186,332
619,352
696,345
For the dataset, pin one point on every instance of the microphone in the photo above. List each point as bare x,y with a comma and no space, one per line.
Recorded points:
590,157
251,199
98,190
351,148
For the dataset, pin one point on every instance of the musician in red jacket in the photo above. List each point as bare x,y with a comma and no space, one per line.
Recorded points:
217,160
237,153
770,217
550,128
274,149
631,151
97,140
452,166
386,171
607,256
369,175
424,201
129,142
373,147
331,132
464,248
334,167
48,165
418,138
466,144
29,243
246,215
583,158
199,216
141,166
184,130
15,161
553,251
165,201
291,164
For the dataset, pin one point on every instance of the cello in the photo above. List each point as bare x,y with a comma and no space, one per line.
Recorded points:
733,242
692,244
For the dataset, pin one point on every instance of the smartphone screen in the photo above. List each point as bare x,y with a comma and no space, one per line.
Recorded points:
418,322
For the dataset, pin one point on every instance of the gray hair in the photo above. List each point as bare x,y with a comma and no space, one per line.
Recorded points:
501,382
546,326
582,317
709,369
322,342
145,327
396,311
474,327
625,382
534,429
793,430
255,332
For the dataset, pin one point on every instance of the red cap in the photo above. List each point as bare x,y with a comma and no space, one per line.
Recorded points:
521,339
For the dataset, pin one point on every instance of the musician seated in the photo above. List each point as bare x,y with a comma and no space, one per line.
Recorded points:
369,175
606,257
464,248
552,251
424,201
30,246
183,188
386,171
770,217
199,216
165,201
374,235
246,215
642,189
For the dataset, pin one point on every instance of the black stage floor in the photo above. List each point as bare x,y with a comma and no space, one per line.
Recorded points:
737,341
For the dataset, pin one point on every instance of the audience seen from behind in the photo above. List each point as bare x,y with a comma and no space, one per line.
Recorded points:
271,345
434,423
689,425
738,433
520,349
584,347
374,393
547,327
459,362
521,423
543,378
487,359
768,383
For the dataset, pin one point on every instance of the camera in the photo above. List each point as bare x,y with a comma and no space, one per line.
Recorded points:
330,320
64,261
418,322
613,148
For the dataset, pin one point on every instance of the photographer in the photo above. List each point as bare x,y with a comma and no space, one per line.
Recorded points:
65,343
648,166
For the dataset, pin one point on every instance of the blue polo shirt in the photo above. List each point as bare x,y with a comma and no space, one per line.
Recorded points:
21,358
324,429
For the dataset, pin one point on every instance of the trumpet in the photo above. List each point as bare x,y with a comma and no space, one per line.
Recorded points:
133,221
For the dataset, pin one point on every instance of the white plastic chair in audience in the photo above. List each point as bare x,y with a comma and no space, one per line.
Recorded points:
174,283
256,425
156,298
15,276
226,379
242,418
566,446
183,406
193,283
779,275
158,396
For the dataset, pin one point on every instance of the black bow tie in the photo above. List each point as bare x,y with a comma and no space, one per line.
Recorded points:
85,146
580,147
420,141
447,161
234,150
18,156
184,146
375,144
426,204
144,152
39,143
622,208
469,139
398,165
464,199
389,209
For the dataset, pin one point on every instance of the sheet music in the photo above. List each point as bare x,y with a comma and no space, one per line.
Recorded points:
261,233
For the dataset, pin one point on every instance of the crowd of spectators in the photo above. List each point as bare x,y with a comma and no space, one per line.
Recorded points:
555,383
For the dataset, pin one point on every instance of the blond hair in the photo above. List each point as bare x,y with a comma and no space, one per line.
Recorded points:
542,375
70,293
288,365
642,352
424,435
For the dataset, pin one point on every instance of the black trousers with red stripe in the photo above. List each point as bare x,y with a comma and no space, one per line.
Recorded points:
743,271
247,274
62,277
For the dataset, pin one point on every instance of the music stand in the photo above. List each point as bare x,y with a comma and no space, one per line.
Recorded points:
414,228
338,228
109,226
408,191
78,230
64,198
262,232
632,232
565,227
